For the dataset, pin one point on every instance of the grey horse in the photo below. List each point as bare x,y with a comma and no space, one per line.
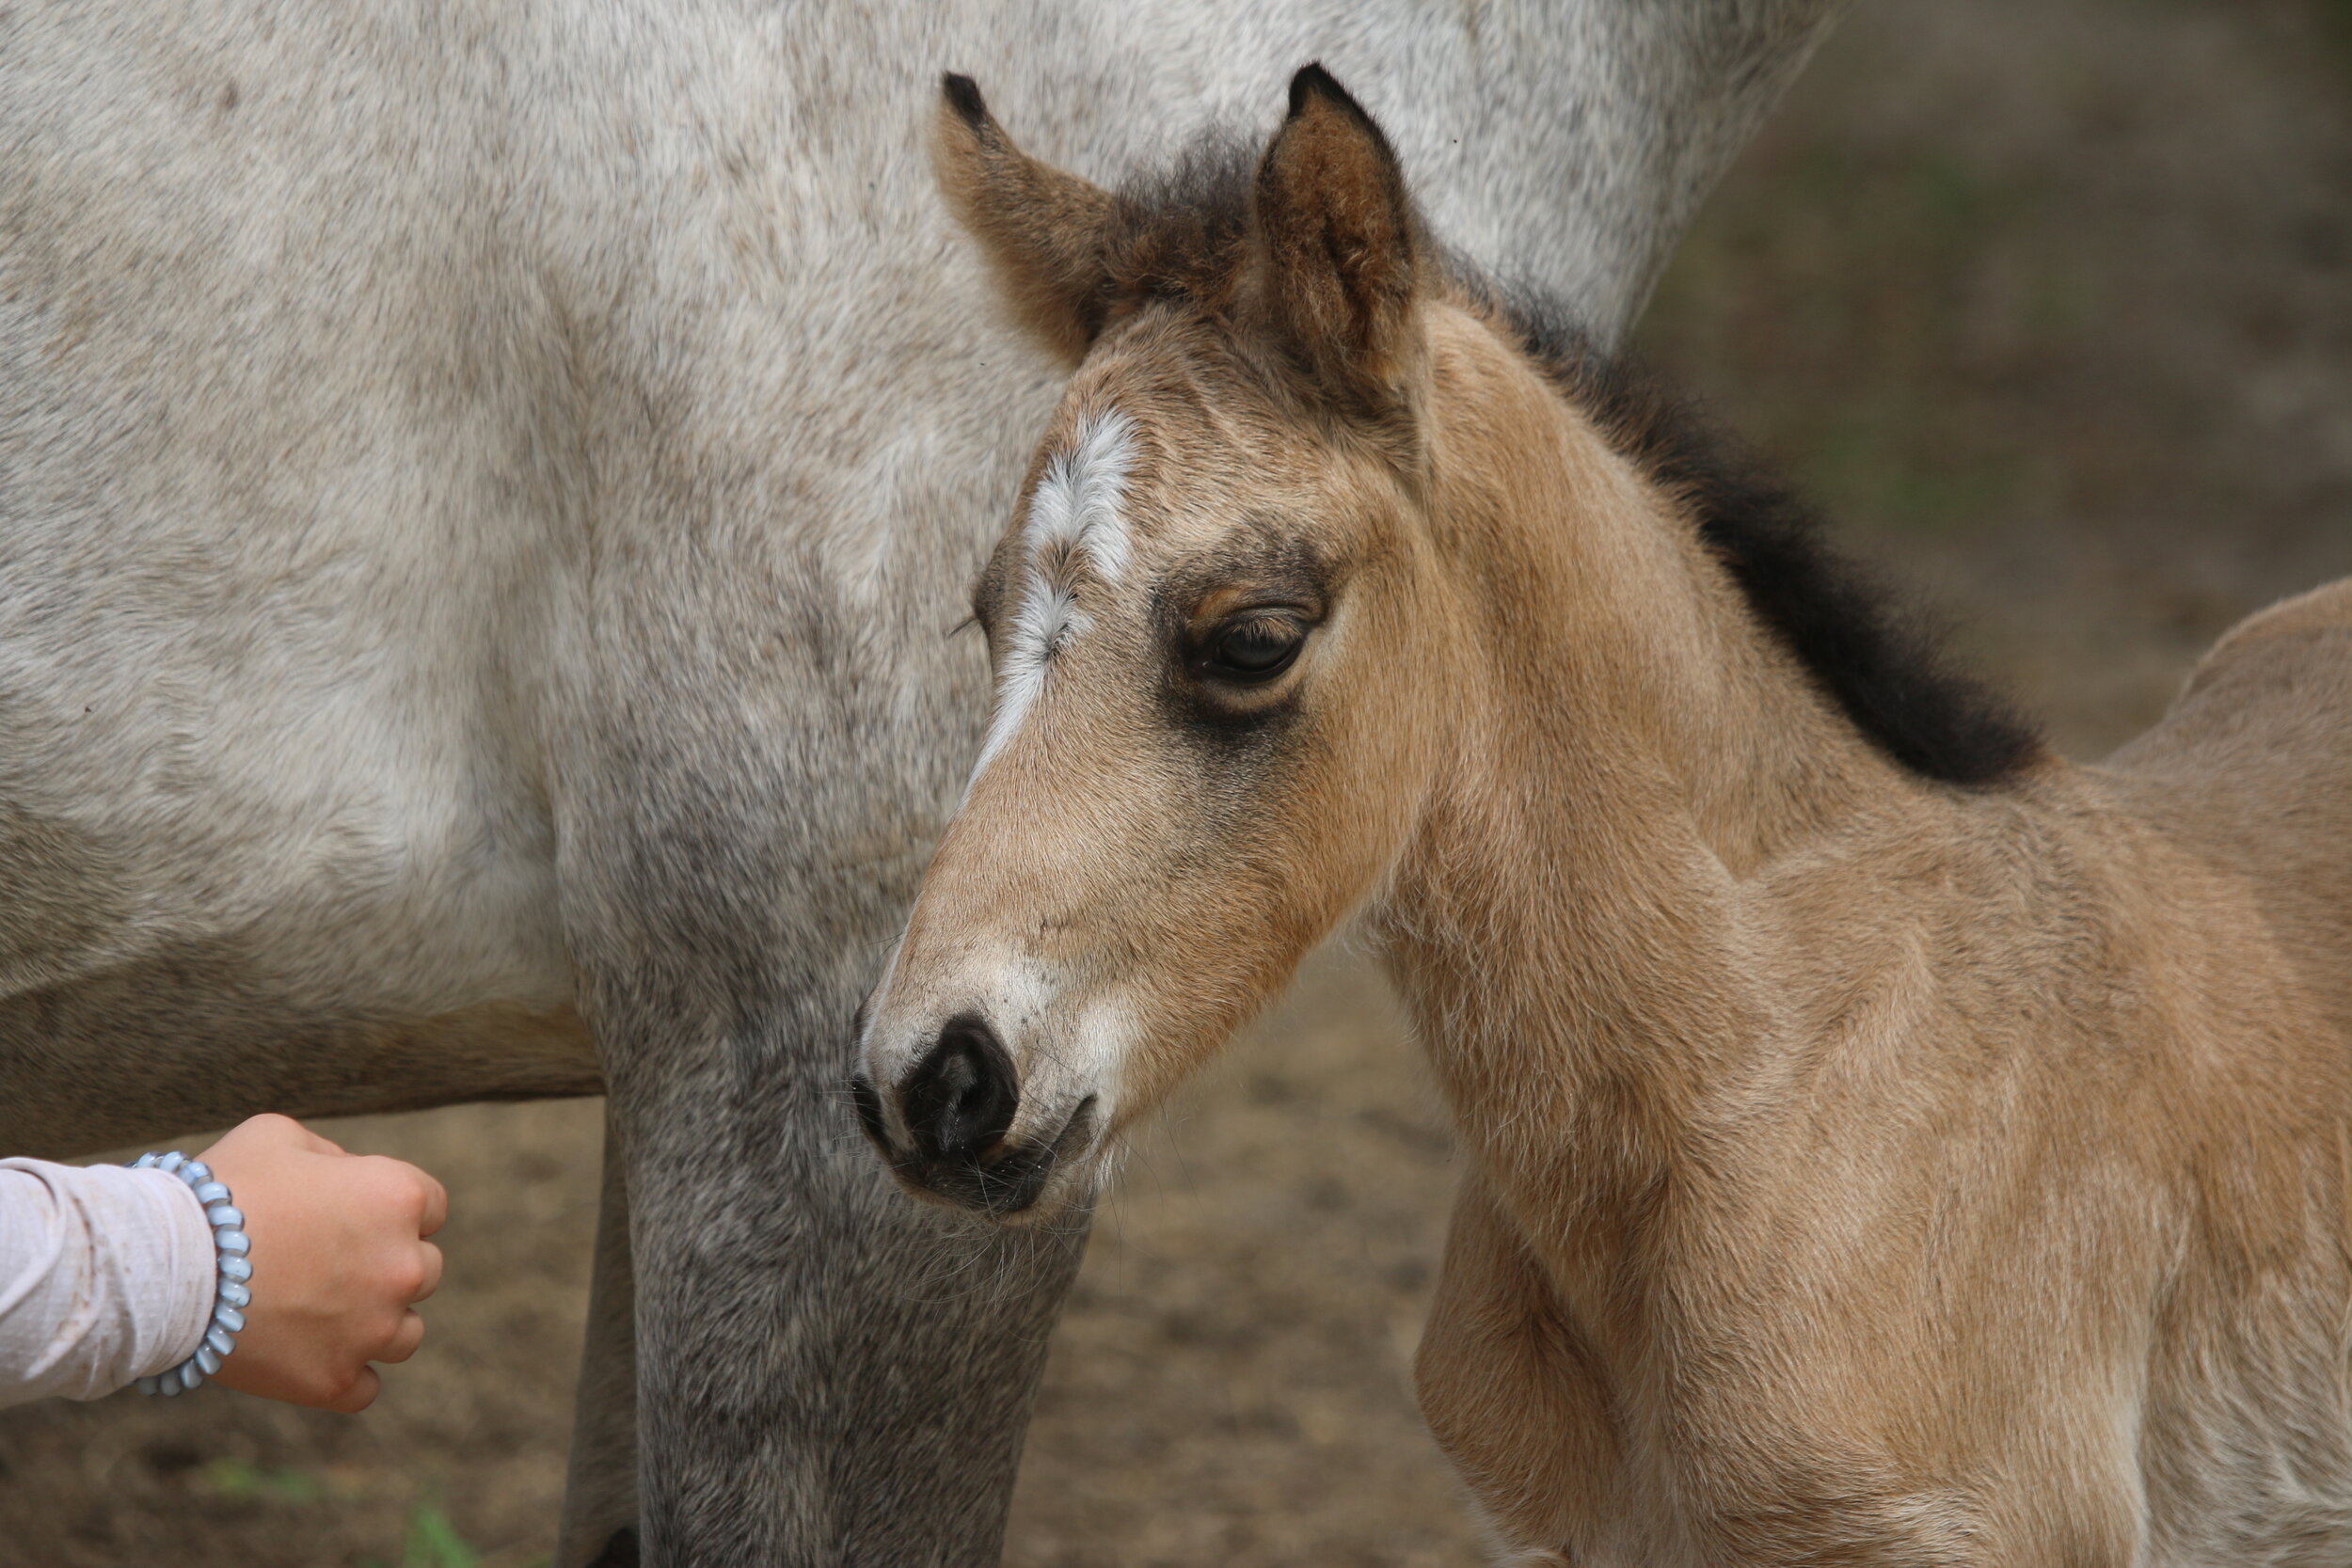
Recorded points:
486,494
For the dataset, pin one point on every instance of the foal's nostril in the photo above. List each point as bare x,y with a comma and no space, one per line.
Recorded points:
960,1100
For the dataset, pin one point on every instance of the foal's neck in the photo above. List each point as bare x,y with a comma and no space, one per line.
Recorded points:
1574,924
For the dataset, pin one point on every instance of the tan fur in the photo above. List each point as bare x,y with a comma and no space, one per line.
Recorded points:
1862,1169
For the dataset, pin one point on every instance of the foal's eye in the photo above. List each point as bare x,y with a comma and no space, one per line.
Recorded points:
1255,648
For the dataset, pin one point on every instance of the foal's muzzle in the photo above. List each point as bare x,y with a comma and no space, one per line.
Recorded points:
958,1104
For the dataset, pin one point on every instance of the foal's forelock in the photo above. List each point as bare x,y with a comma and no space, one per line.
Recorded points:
1076,521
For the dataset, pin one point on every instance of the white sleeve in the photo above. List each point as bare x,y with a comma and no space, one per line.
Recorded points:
106,1274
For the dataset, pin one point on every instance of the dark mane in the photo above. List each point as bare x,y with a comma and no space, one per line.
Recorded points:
1873,653
1180,233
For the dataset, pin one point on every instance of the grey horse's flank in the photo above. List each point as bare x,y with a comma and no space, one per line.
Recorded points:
482,501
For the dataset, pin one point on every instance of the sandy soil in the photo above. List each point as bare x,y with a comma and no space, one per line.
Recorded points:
2050,300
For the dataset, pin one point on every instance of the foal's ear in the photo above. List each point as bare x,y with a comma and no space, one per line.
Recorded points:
1043,229
1337,243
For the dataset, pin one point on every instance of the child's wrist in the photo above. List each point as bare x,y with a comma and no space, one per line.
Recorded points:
178,1282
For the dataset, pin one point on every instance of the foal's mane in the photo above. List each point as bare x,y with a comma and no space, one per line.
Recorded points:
1182,233
1871,649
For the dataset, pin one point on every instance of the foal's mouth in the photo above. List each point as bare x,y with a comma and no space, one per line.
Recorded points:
1005,1181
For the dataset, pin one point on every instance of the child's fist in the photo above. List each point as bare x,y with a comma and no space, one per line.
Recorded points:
339,1261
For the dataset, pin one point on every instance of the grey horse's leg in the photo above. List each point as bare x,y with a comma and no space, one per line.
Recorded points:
601,1487
830,1372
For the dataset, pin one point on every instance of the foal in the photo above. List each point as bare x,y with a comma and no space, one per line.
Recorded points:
1888,1142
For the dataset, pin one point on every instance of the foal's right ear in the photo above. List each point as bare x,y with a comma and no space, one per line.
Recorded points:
1043,230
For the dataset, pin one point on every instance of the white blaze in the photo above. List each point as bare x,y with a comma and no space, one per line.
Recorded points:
1074,517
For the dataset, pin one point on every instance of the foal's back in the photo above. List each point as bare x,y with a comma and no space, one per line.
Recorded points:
2252,769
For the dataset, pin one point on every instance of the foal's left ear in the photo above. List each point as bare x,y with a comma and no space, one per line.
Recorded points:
1337,245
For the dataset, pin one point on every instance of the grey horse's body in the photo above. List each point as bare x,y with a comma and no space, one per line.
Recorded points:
485,496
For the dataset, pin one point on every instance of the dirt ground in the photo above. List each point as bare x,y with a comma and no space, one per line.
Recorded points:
2050,301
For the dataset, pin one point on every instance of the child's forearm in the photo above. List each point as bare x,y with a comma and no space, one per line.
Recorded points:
106,1275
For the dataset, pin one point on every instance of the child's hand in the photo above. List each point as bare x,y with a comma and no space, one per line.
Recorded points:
339,1260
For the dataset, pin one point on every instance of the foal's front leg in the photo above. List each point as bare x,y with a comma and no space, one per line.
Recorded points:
1571,1459
1508,1392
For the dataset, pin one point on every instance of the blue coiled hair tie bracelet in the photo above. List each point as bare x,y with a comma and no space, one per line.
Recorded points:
232,1296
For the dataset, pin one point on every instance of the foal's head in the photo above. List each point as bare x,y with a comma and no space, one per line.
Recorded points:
1273,550
1216,692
